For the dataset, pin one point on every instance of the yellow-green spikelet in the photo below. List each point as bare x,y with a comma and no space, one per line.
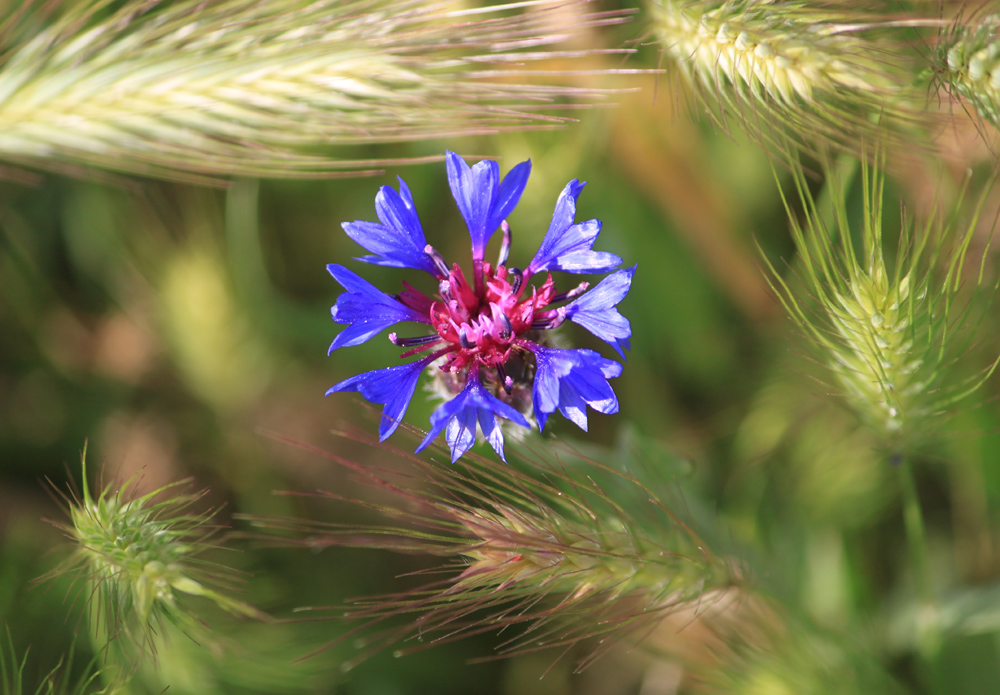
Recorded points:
876,363
139,558
787,69
764,46
968,61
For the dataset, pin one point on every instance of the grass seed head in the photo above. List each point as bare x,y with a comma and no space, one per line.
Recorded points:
967,63
890,331
785,69
552,554
139,558
196,90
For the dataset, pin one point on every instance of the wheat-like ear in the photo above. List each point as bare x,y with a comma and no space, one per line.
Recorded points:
137,559
890,327
789,72
967,63
196,89
548,559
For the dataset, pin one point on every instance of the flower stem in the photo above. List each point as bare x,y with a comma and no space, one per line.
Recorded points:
928,638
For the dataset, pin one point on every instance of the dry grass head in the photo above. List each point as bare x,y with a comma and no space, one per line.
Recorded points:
789,72
196,90
550,559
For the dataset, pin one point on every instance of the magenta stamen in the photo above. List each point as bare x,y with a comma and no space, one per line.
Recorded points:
444,289
418,349
506,381
550,322
464,340
506,330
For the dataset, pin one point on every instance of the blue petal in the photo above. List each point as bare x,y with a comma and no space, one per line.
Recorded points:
393,387
492,431
482,198
595,310
565,213
570,380
399,241
461,433
568,246
367,309
571,404
461,413
508,196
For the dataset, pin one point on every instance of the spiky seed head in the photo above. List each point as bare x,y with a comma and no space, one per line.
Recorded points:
553,554
967,63
570,557
196,90
886,332
139,558
785,69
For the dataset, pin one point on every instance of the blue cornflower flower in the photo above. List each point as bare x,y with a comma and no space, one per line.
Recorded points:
488,337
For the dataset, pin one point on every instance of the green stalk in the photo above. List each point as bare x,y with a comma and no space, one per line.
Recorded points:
928,638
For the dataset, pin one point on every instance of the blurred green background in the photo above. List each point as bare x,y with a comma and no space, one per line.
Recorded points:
169,325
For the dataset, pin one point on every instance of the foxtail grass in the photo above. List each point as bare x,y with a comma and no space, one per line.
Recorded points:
817,73
137,559
196,90
550,560
891,327
967,63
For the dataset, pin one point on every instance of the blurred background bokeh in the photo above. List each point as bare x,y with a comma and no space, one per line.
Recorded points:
171,326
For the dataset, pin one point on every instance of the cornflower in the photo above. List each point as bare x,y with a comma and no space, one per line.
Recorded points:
488,337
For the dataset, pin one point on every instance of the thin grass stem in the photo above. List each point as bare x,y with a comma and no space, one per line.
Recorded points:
928,641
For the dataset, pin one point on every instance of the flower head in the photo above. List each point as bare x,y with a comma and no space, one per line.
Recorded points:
488,341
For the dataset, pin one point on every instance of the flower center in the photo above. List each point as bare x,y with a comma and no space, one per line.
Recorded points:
483,325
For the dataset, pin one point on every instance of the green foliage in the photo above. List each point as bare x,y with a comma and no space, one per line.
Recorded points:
790,658
58,681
